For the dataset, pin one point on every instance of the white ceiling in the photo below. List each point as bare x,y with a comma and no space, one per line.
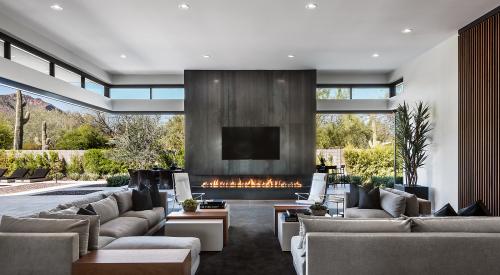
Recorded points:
159,38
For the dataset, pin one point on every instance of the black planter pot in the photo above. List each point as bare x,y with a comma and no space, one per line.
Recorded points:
418,190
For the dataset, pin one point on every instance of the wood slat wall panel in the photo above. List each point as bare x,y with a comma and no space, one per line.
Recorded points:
479,117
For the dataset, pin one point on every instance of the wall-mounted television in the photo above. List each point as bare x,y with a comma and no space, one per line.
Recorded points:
258,143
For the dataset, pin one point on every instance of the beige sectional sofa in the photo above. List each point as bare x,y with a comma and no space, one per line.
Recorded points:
414,246
118,227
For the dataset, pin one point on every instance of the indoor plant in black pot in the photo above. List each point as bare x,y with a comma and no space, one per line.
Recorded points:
318,209
413,129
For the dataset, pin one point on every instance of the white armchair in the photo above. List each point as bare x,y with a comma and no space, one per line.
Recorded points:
317,193
182,189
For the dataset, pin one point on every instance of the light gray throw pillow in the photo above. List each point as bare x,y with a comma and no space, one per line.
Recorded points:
124,200
34,225
457,224
392,203
107,209
94,225
412,207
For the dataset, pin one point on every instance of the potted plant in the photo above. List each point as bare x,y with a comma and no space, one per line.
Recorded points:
413,129
189,205
318,209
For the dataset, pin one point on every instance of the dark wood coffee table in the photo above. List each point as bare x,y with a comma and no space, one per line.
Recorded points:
134,261
279,208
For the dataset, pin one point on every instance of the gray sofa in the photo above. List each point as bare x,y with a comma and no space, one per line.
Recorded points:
394,204
416,246
118,227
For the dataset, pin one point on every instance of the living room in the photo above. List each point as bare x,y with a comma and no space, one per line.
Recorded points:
249,137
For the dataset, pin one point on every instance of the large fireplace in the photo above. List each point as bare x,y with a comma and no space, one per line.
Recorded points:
250,187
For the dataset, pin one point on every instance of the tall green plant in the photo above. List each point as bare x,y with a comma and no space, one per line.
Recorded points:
413,128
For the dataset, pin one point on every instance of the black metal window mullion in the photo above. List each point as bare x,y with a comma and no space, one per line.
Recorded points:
82,80
150,93
6,50
52,69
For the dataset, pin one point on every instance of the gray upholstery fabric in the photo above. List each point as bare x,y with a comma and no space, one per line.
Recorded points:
161,242
81,202
412,209
153,217
355,212
302,231
403,253
34,225
392,203
107,209
93,225
124,200
37,253
69,211
424,207
104,240
298,254
124,227
457,224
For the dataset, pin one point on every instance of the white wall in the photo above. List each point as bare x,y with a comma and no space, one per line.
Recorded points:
433,78
174,79
355,77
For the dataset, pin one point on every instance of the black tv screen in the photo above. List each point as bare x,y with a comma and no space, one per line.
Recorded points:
259,143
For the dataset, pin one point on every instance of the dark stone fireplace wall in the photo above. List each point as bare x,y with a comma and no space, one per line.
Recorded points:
285,99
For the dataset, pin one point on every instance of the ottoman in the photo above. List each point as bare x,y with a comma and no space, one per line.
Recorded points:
209,231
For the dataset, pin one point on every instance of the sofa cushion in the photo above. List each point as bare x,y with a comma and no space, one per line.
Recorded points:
104,241
93,225
151,216
355,212
369,199
82,201
446,211
124,200
141,200
106,208
476,209
298,254
457,224
301,217
124,226
353,195
160,211
392,203
412,206
34,225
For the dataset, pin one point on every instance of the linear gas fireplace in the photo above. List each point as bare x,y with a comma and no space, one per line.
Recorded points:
250,187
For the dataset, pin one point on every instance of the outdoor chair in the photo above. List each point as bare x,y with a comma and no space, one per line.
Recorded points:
18,173
39,174
317,193
182,189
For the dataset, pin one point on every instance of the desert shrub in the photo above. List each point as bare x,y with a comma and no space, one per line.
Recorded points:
75,165
57,165
74,176
6,159
96,161
117,180
366,163
382,182
42,160
82,138
89,176
6,135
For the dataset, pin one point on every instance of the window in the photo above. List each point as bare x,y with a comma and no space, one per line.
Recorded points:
2,48
167,93
333,93
370,93
29,60
400,87
94,87
129,93
68,76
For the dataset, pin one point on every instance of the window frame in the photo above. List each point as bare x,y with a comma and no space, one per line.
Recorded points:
351,86
150,87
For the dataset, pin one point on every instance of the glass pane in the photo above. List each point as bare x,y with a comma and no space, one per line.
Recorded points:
129,93
29,60
94,87
168,93
333,93
370,93
68,76
400,88
1,48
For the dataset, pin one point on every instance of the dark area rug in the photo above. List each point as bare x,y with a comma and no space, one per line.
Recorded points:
253,248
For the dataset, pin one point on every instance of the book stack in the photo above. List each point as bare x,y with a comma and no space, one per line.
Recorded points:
213,204
291,215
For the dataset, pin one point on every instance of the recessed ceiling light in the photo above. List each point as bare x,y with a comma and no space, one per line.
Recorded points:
311,6
291,56
123,56
375,55
183,6
56,7
407,31
206,56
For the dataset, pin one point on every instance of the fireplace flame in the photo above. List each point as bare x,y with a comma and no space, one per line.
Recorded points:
251,183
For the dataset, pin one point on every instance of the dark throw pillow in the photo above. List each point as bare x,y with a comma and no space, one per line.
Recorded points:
476,209
141,200
89,210
154,192
353,195
369,199
445,211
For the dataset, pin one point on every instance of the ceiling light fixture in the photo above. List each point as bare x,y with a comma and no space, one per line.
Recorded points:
123,56
291,56
311,6
56,7
375,55
184,6
407,31
206,56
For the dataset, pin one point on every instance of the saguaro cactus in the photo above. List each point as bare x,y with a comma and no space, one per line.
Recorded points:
45,139
21,119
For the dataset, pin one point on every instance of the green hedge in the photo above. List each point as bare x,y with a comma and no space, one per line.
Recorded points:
372,162
118,180
95,161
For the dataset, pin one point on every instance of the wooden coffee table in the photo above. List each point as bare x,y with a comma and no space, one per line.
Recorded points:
134,261
204,214
279,208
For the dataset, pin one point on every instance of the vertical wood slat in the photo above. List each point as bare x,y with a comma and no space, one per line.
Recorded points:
479,115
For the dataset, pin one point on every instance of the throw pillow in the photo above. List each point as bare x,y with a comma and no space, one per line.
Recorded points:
94,225
154,192
124,200
85,211
456,224
369,199
107,209
476,209
392,203
141,200
34,225
445,211
412,207
353,195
